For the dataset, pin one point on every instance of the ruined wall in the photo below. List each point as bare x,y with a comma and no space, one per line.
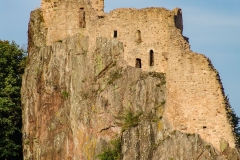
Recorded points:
195,99
195,96
149,32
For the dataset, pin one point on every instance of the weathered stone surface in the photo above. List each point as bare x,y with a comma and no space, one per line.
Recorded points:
151,140
140,143
36,31
81,88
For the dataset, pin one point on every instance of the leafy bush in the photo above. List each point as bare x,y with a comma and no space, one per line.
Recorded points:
112,152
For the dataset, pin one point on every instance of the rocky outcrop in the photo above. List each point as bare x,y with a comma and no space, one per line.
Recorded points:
141,143
36,31
72,100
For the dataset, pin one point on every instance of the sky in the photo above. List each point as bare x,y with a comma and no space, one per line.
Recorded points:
212,26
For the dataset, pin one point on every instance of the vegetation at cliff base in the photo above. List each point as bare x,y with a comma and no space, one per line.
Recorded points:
12,64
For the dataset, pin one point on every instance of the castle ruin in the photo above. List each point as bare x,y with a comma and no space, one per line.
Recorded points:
152,40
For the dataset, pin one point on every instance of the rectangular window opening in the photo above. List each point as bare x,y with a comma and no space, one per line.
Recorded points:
115,34
138,63
151,57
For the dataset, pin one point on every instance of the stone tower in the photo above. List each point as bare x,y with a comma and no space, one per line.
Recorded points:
69,16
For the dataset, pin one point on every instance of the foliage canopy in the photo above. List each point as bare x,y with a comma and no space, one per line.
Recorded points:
12,64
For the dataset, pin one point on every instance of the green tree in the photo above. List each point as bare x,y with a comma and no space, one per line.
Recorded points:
12,64
234,119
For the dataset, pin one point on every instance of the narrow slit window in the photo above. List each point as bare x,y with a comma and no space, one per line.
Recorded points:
115,34
151,57
138,63
138,36
82,22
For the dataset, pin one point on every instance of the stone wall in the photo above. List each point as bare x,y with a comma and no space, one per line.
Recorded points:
151,24
195,98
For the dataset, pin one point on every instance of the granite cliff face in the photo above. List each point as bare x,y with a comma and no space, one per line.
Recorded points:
85,87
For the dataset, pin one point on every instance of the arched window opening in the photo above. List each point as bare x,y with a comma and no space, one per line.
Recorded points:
82,22
115,34
138,63
151,57
138,36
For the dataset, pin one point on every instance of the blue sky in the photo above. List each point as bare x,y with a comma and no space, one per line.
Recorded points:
213,27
